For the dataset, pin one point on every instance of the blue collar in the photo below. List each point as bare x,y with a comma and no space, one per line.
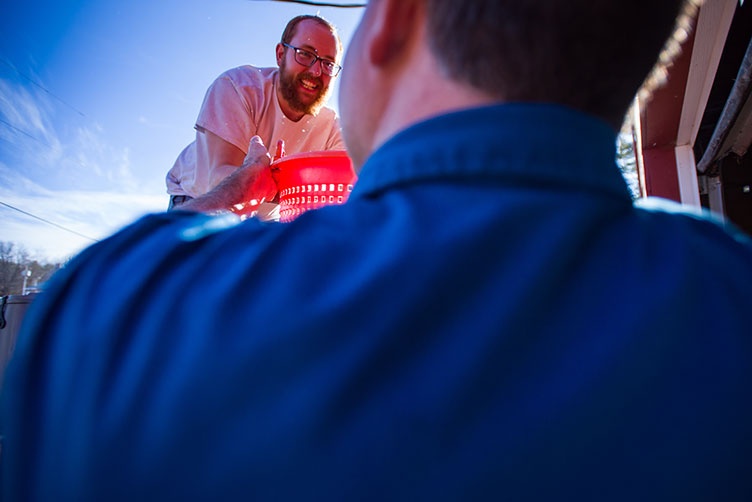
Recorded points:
537,143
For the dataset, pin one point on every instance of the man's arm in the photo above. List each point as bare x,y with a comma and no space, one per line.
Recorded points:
252,181
223,157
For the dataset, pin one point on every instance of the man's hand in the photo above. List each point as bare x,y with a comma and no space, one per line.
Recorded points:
248,186
255,173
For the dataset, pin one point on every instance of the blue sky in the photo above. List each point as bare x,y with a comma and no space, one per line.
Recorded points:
97,98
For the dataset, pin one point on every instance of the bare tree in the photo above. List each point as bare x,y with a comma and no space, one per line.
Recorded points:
15,266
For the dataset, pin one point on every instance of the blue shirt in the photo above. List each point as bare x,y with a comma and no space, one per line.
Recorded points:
489,316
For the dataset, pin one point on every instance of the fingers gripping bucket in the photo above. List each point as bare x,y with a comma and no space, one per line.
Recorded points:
312,180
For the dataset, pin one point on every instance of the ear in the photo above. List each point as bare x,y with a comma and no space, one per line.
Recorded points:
394,25
280,52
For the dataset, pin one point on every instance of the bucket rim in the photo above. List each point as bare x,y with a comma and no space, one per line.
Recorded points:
316,154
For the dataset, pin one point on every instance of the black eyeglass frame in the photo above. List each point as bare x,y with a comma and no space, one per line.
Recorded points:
327,65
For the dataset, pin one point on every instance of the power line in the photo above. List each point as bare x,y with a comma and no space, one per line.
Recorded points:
48,222
4,60
24,147
23,132
42,142
12,67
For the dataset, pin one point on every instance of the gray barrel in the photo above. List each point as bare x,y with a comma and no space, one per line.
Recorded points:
12,311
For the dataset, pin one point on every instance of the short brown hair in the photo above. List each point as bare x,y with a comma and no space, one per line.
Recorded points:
292,25
589,54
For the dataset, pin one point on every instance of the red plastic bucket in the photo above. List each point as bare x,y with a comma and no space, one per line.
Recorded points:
312,180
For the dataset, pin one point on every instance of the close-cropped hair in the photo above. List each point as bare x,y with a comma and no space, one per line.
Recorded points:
292,26
592,55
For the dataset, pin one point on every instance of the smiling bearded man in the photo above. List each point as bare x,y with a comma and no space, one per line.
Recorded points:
284,103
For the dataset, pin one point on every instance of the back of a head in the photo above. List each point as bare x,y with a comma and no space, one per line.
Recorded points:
588,54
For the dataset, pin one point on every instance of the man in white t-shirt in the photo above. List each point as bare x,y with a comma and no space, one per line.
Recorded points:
285,103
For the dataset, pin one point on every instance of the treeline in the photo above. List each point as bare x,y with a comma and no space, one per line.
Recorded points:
15,266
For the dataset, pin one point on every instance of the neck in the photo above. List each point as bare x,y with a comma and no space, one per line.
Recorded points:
420,92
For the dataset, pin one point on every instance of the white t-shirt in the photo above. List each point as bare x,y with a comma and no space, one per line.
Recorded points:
242,103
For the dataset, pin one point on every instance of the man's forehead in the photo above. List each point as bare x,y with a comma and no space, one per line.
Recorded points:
316,37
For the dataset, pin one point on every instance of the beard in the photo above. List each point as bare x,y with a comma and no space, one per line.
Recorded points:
288,84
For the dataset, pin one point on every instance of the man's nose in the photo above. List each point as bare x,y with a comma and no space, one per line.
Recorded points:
316,68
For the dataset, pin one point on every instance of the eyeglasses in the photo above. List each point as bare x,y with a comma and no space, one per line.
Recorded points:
308,59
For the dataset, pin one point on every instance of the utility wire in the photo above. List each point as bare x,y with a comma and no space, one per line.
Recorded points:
23,148
23,132
324,4
48,222
12,67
